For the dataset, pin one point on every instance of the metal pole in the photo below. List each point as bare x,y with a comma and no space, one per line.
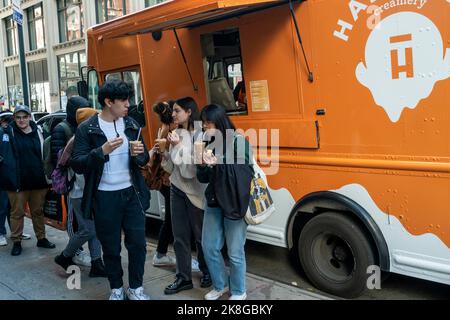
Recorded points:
23,66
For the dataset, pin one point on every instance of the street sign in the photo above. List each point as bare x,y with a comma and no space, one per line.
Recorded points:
17,12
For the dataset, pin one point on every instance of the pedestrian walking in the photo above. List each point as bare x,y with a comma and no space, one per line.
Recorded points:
86,227
25,183
109,151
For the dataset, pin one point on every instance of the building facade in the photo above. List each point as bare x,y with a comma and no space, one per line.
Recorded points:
55,47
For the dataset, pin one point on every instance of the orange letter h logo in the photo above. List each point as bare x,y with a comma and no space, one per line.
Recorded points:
408,67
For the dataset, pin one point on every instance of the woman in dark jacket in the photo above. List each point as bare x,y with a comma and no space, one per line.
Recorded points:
229,176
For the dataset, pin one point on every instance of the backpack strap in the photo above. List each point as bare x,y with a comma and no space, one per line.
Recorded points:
67,129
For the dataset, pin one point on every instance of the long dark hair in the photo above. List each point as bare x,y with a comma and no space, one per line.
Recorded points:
217,114
188,103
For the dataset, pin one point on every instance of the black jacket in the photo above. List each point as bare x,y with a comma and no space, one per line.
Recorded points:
60,139
88,159
229,184
59,136
27,173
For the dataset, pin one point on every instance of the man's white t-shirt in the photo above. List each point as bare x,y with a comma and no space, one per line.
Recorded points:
116,172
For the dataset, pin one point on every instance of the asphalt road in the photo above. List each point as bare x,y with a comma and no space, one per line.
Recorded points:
275,263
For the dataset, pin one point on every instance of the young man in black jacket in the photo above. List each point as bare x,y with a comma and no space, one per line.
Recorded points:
31,185
109,151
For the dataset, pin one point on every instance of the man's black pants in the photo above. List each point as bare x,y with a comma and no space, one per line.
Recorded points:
116,211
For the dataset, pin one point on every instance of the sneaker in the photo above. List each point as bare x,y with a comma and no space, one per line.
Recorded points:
25,236
3,241
82,258
137,294
194,265
238,296
164,261
117,294
215,294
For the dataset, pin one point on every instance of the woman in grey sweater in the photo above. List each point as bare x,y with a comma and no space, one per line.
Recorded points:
187,196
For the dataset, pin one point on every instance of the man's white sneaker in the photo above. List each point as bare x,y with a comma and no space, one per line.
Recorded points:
215,294
137,294
117,294
82,258
194,265
238,296
26,236
3,241
164,261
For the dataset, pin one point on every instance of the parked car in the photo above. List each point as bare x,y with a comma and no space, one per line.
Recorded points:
38,115
50,121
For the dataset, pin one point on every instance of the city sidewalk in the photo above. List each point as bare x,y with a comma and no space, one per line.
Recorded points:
34,276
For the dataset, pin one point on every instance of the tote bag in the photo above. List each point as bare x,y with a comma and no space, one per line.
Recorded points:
261,204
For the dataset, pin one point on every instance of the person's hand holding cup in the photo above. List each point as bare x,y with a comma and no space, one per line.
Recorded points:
136,148
160,145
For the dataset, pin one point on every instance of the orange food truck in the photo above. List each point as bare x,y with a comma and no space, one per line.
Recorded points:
350,101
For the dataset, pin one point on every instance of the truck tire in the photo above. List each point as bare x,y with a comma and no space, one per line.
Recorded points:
335,254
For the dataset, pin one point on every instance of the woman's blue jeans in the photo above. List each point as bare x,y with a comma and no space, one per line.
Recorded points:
216,230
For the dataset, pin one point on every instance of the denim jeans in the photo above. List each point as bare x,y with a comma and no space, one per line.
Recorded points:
216,230
4,211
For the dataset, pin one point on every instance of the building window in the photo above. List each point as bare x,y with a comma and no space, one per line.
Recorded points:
70,19
110,9
39,85
149,3
69,66
36,27
15,94
11,37
4,3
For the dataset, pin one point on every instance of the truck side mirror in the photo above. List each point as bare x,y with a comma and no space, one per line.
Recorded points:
82,88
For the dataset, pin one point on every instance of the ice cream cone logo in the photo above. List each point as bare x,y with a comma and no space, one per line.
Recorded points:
404,59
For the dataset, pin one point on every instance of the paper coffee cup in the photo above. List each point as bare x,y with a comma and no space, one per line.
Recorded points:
199,146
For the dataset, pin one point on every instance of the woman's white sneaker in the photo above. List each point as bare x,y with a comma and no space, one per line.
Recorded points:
238,296
215,294
164,261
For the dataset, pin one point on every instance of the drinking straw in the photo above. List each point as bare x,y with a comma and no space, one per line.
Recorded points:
139,134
